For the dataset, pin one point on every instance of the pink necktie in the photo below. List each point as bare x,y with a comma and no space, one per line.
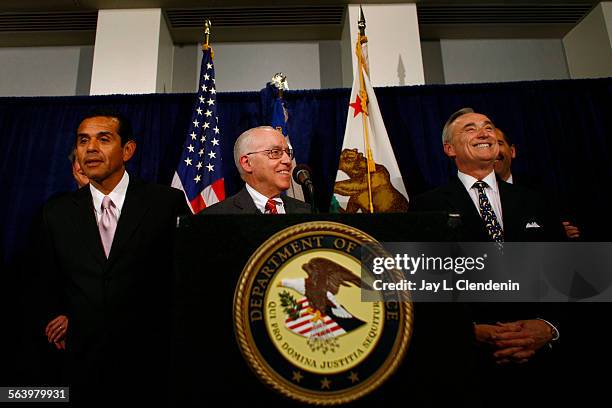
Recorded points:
108,224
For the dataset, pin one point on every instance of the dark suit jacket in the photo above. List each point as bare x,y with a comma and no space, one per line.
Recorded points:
520,206
119,308
242,203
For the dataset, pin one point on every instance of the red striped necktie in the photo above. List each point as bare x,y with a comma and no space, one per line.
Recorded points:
271,206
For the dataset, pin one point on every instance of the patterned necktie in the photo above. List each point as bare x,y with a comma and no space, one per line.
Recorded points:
271,206
487,214
107,224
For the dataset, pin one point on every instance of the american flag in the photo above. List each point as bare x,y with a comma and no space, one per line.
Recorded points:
200,170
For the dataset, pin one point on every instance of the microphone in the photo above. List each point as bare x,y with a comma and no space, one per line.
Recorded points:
302,176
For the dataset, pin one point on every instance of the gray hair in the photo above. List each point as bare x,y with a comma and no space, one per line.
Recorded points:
244,145
446,134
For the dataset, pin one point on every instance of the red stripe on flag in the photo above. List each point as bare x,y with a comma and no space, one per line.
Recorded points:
326,321
197,204
320,332
219,189
305,331
294,326
305,311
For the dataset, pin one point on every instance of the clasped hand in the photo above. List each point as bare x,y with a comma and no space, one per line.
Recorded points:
514,342
56,331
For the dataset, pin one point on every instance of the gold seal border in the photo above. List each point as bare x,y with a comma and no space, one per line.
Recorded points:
259,365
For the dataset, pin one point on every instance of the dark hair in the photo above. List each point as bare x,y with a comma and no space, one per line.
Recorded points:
507,138
125,127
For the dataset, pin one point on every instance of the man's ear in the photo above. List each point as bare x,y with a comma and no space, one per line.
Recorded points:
245,164
513,152
449,150
128,150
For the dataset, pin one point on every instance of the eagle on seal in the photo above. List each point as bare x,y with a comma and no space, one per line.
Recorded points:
325,277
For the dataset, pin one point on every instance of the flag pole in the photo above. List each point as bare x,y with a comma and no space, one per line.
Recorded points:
371,165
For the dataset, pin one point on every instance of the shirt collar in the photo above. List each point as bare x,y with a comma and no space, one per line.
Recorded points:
260,200
468,181
117,195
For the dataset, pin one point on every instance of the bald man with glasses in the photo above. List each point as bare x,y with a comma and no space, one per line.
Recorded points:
264,161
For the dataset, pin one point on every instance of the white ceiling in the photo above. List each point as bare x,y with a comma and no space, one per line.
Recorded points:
73,22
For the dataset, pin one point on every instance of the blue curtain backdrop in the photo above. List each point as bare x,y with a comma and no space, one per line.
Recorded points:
561,129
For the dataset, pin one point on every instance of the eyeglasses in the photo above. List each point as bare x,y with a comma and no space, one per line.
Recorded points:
275,154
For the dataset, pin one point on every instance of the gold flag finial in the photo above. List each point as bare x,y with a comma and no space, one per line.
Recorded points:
279,80
207,25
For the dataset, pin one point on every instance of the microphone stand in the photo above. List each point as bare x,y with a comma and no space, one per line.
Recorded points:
309,188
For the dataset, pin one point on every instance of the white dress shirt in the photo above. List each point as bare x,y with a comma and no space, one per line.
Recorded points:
492,192
260,200
117,196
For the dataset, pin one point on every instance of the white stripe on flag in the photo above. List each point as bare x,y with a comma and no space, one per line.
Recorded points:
209,196
176,183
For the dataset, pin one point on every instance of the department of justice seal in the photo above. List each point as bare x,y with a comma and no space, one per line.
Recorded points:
301,324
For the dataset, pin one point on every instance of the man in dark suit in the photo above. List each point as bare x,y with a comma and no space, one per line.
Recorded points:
263,159
105,255
493,210
503,171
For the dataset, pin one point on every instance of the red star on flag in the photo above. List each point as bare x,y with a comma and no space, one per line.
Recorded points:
357,106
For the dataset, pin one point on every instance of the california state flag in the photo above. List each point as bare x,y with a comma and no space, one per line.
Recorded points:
368,178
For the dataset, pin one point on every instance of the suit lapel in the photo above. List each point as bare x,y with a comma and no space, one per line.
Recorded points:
244,202
288,205
460,199
292,206
86,224
134,208
511,209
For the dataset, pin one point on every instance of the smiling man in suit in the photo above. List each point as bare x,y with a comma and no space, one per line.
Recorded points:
106,264
509,335
263,159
